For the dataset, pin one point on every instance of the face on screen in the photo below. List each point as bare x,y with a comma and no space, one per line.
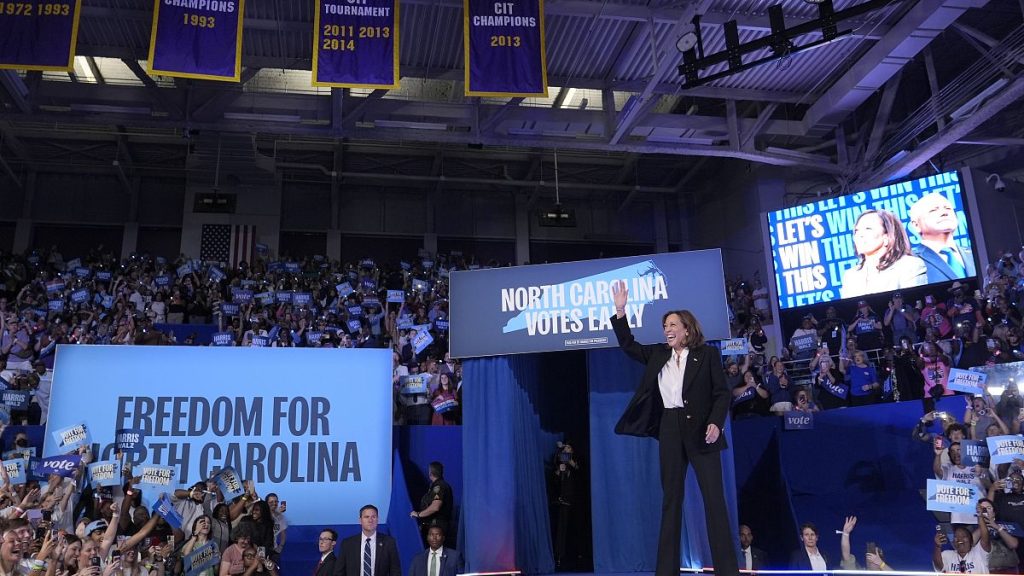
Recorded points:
869,235
883,240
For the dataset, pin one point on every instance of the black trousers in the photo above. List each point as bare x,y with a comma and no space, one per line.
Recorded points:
676,456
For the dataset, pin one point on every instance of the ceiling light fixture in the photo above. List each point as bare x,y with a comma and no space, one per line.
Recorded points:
687,41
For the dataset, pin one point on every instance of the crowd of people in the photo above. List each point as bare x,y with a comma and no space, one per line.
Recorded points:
902,349
64,525
310,302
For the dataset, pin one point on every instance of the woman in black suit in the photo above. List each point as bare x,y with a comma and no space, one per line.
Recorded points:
808,557
683,401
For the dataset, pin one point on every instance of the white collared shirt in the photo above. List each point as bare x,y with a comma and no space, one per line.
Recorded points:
817,561
670,379
373,552
748,559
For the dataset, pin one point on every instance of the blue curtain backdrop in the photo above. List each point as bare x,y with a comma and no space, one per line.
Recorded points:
505,509
625,480
857,461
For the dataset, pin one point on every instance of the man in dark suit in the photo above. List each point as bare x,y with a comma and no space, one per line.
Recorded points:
750,558
325,567
436,560
369,553
935,221
683,401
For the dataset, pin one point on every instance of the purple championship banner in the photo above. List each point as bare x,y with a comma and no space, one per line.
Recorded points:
197,39
504,48
356,45
39,35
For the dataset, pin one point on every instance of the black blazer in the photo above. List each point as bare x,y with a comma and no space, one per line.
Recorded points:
327,567
801,561
756,559
704,390
351,560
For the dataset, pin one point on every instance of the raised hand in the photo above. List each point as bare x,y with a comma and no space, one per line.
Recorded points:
620,293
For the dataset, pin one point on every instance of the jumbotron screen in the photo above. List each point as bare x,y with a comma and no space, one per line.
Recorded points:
894,237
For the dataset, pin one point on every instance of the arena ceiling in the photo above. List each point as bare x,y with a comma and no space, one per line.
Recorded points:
915,85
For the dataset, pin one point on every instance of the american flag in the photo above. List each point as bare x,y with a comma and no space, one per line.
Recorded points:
231,243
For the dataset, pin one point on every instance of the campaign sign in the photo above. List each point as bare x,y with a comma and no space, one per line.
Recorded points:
201,558
355,310
265,297
16,399
69,437
105,473
967,381
185,269
568,306
805,342
314,336
396,296
344,289
223,338
302,298
353,326
165,508
129,440
39,35
229,309
504,48
326,444
162,280
80,296
156,479
16,472
55,305
734,346
441,325
197,40
355,45
1005,449
230,483
283,297
813,251
746,396
413,383
797,420
216,274
420,340
420,285
240,296
103,276
55,285
82,272
66,466
261,341
23,453
946,496
293,267
974,453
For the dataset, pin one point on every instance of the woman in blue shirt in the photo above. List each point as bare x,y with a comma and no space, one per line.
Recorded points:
864,386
